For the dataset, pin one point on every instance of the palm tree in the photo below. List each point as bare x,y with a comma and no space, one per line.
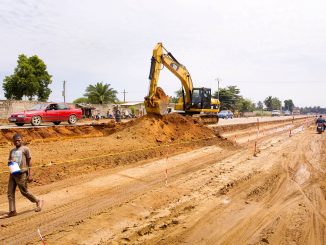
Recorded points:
101,93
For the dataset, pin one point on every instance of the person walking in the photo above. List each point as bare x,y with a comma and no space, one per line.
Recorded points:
117,115
321,120
21,156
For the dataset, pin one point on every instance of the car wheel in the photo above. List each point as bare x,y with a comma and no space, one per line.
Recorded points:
20,124
72,119
36,120
56,123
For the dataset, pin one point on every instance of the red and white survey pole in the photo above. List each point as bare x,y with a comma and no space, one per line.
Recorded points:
42,239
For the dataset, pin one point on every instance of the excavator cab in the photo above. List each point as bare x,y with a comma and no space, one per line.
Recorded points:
201,98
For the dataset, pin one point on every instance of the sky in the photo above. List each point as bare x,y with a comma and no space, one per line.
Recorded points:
265,47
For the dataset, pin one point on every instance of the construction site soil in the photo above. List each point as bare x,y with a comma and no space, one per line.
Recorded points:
171,180
61,151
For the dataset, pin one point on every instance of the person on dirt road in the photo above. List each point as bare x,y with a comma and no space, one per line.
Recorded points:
117,115
321,120
20,156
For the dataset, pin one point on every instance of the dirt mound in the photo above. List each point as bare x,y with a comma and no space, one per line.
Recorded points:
150,128
168,128
57,132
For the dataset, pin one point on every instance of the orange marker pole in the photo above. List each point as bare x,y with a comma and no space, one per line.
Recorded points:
166,171
255,149
42,239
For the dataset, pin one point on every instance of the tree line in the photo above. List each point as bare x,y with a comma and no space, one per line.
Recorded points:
232,100
313,110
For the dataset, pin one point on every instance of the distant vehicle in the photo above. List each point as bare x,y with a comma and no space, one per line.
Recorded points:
287,113
320,128
296,111
225,114
48,112
276,113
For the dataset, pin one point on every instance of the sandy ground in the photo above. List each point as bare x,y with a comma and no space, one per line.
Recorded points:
243,120
212,192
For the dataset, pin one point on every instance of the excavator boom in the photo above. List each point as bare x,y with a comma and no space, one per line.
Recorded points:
156,102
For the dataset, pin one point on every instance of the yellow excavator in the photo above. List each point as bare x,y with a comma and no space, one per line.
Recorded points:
192,101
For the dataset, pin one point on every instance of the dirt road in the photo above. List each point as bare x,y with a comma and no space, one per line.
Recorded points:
214,194
282,201
244,120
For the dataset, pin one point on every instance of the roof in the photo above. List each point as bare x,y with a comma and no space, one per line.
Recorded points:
132,103
85,106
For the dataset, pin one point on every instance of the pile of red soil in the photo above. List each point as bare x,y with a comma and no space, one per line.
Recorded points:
150,128
167,128
56,132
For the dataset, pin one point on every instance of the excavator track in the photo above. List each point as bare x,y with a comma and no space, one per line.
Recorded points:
207,118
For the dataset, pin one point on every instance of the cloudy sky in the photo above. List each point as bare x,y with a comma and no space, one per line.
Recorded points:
265,47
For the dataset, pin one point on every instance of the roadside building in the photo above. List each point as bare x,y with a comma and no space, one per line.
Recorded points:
87,109
135,108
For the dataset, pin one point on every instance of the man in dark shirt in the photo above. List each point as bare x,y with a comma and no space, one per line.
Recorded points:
21,155
321,120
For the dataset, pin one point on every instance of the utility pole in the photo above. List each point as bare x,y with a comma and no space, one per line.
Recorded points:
124,95
64,91
218,88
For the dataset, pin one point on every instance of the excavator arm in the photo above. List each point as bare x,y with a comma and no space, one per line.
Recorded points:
156,102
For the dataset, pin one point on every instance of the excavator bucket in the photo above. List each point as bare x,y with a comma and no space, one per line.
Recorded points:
158,103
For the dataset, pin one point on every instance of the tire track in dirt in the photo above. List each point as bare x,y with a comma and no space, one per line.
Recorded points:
94,203
282,206
197,188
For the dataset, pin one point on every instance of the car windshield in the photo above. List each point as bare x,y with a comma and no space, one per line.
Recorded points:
38,107
224,112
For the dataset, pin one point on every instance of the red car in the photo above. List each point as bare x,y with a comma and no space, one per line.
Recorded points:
50,112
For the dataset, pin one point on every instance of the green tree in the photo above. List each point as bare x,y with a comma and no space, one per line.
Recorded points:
268,103
100,93
229,97
80,100
288,105
276,104
30,79
244,105
178,94
272,103
260,105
